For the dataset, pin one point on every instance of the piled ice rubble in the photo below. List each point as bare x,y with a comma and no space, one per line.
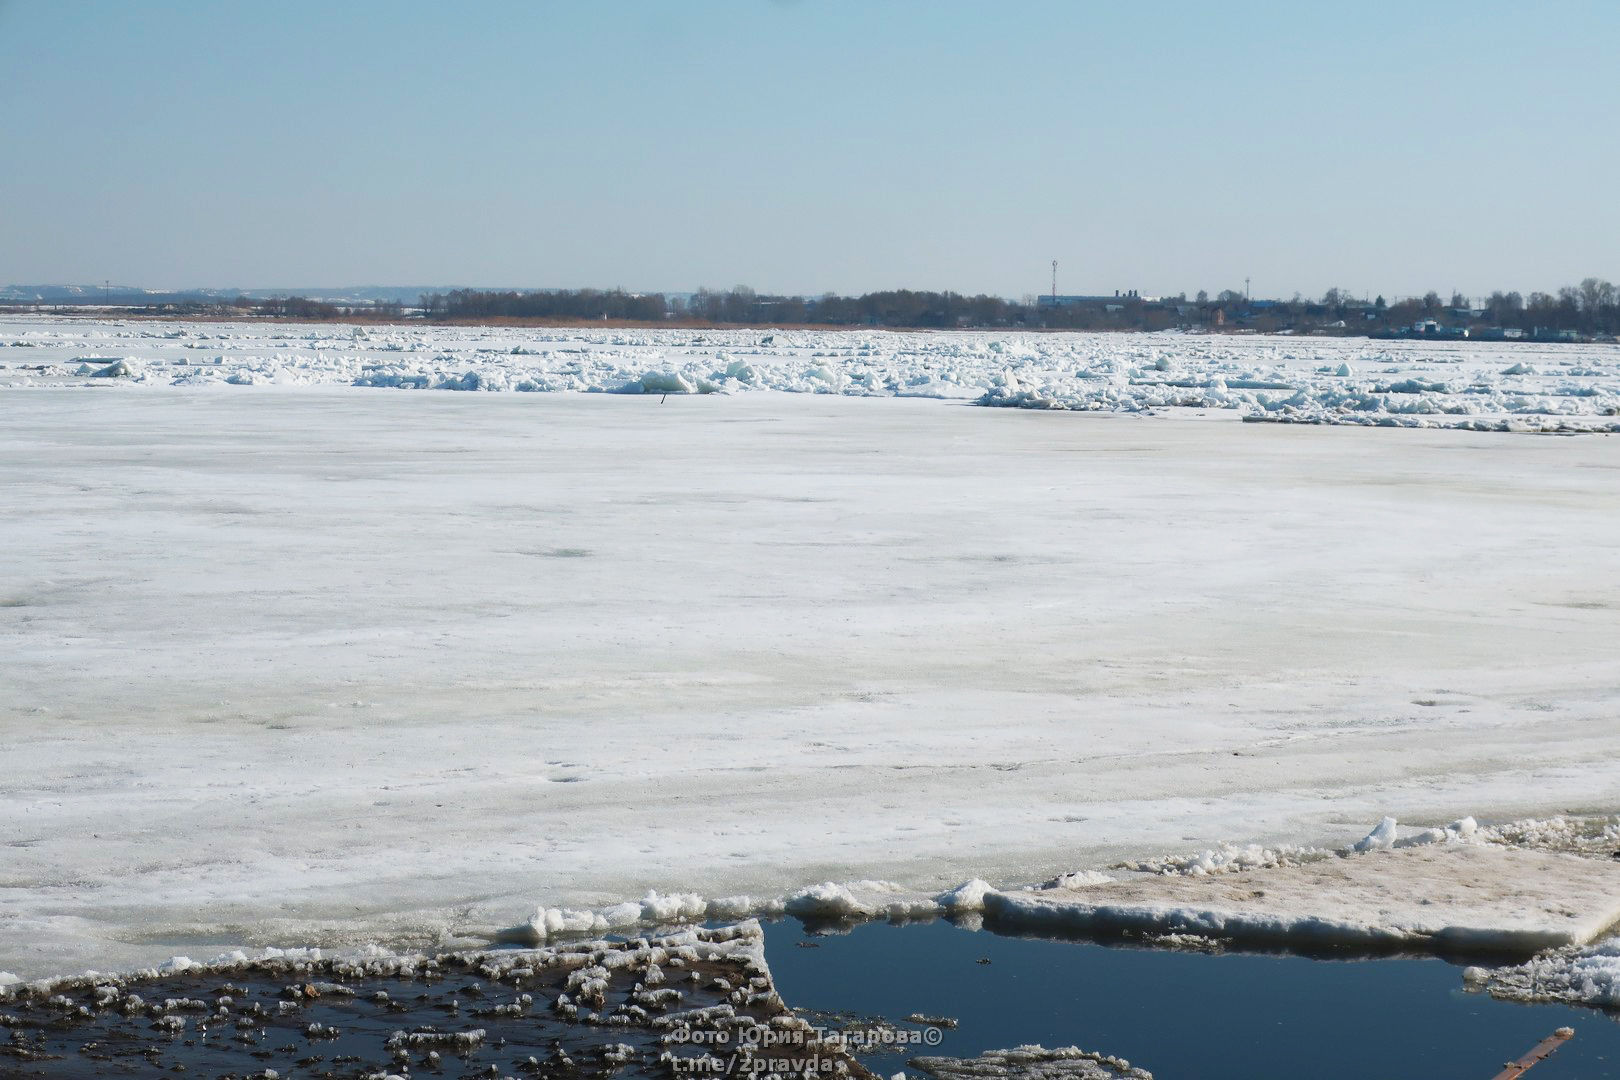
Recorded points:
1032,1063
1227,858
1470,385
856,901
1386,836
863,900
1579,976
1598,836
548,923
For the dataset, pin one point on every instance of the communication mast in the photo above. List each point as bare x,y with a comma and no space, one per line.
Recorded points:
1054,282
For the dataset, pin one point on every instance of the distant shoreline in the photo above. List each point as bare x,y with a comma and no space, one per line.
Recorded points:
352,319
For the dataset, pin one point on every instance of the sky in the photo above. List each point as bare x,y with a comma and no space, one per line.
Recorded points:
806,146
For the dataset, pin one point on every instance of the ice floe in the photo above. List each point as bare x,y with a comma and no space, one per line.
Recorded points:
1453,889
1453,898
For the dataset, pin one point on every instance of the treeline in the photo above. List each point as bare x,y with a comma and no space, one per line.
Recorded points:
561,304
282,307
301,307
1590,310
742,306
1592,307
892,307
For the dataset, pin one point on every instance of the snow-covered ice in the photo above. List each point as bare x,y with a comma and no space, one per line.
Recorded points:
326,664
1474,385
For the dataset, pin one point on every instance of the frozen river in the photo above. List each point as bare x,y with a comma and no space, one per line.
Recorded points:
322,664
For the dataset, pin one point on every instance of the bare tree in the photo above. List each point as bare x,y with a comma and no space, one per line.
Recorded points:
1596,294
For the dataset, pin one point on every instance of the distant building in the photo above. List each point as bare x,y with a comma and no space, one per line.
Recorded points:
1050,301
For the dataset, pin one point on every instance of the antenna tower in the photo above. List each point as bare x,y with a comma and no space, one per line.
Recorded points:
1054,281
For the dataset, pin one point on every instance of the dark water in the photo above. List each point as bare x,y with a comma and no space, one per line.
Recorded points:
1185,1016
455,1017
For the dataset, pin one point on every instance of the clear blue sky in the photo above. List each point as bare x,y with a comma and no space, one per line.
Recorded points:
812,145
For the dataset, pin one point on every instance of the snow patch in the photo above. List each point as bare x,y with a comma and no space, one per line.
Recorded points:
966,897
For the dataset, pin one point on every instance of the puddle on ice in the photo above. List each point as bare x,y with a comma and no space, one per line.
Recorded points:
924,989
1199,1016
